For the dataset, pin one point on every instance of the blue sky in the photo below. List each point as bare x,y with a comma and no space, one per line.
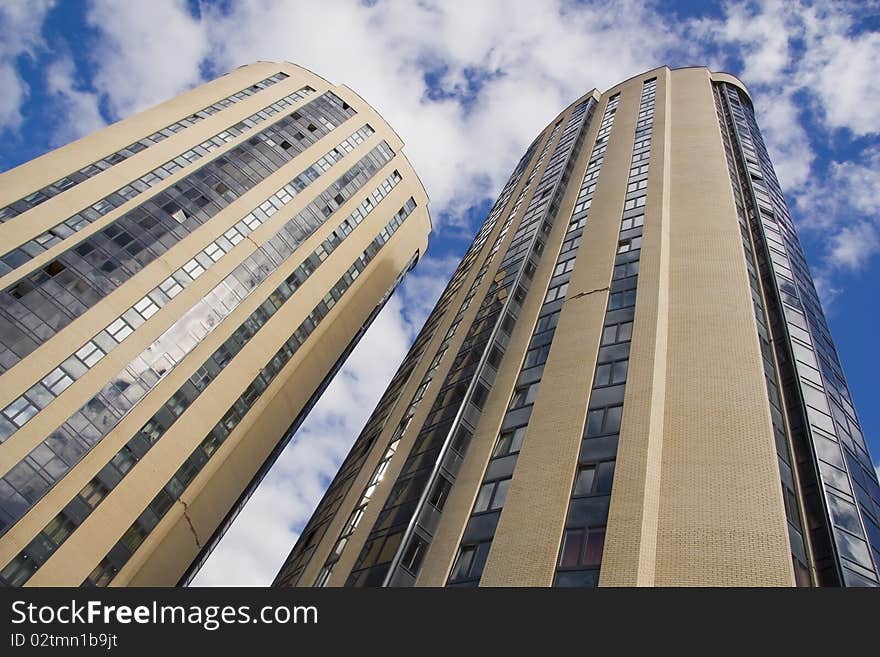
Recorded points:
468,85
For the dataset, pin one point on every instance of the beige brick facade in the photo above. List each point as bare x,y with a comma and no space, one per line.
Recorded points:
696,496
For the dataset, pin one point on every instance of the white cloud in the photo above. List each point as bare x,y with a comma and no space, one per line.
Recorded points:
762,33
859,181
21,23
254,548
79,108
147,52
849,189
12,98
853,245
839,67
826,290
529,60
787,140
843,209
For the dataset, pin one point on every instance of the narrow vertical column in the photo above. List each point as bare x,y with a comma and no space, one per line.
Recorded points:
630,548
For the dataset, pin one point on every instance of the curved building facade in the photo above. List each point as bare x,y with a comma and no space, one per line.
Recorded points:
176,290
629,380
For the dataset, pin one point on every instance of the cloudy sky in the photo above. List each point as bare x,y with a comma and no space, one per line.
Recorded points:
468,84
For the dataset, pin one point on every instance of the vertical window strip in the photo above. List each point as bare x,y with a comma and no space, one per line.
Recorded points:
797,542
85,217
357,514
843,487
580,551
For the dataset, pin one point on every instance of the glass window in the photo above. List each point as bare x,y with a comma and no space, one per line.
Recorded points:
509,442
501,489
484,497
547,322
463,563
440,493
94,492
491,496
593,550
572,543
584,482
479,396
415,552
612,419
536,356
618,374
609,334
524,395
604,475
594,422
479,560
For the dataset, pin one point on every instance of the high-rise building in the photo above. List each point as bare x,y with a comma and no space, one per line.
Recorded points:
629,380
176,291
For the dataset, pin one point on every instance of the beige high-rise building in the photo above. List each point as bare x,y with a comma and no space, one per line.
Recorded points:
629,380
177,290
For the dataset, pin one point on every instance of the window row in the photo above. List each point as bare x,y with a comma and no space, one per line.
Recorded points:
564,267
547,322
603,421
492,493
71,180
580,551
88,215
638,202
